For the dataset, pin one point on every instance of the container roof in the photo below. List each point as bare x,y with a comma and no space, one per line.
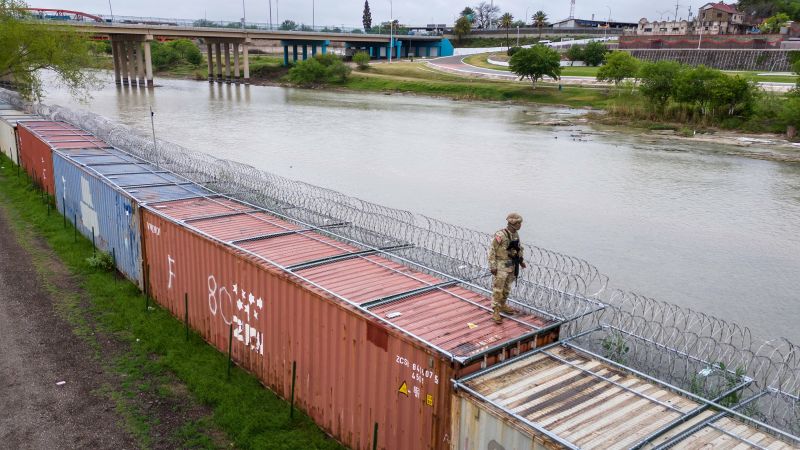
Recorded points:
63,136
583,401
141,180
433,308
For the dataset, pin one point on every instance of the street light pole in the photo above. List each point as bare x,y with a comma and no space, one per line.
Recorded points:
244,16
608,23
112,11
270,14
391,31
313,15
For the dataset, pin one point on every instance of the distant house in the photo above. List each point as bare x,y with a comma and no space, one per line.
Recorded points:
720,18
673,27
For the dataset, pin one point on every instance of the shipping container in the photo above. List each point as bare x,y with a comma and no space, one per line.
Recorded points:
561,396
375,341
8,131
98,190
37,140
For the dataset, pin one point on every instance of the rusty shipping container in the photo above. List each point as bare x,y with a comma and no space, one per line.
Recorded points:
375,342
563,397
38,139
8,131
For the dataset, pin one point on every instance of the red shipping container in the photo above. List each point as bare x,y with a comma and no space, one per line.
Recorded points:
375,342
37,139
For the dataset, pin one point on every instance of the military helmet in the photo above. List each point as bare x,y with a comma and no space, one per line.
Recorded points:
514,219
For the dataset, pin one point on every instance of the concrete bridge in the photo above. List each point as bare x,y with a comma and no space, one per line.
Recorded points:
130,45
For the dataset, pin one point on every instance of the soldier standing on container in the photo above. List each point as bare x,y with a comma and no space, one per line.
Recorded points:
505,259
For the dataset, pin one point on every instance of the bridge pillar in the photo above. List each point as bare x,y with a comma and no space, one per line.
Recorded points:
227,62
305,52
115,57
210,57
123,57
148,63
140,63
236,62
294,52
313,50
246,57
285,55
218,50
131,63
325,47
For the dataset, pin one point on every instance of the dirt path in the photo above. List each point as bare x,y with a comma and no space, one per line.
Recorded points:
38,350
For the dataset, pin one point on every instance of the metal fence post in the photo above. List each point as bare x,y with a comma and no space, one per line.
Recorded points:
75,230
114,261
186,313
146,288
375,437
64,210
294,379
94,247
230,350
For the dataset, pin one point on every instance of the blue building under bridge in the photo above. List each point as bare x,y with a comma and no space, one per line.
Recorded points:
400,47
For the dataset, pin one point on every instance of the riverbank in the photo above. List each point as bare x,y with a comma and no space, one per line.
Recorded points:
105,349
418,78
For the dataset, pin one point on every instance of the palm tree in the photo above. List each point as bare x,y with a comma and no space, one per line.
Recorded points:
506,21
540,20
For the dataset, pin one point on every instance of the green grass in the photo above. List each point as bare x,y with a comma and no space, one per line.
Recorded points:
157,350
419,79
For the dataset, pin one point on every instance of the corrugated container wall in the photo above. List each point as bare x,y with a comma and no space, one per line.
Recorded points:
36,156
8,132
352,372
100,211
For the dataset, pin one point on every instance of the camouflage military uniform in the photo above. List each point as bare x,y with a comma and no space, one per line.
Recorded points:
505,249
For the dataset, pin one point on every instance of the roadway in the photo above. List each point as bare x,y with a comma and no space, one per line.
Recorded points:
457,66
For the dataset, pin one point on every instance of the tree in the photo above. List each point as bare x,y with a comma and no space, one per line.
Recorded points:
575,53
462,27
535,63
594,53
320,69
366,18
288,25
27,48
772,25
505,21
484,14
657,81
361,59
694,86
732,95
768,8
796,68
617,67
540,20
469,13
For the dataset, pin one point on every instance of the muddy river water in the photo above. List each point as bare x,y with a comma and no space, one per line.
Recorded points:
692,223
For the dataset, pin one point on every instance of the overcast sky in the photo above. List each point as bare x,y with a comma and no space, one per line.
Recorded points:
348,12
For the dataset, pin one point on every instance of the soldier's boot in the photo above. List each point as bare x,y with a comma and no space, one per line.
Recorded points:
505,309
498,319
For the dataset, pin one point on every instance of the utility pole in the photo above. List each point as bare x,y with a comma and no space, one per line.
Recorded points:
112,11
391,31
313,15
270,14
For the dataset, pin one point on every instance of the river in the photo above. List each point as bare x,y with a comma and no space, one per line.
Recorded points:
683,222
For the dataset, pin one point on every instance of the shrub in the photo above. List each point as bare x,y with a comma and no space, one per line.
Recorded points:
512,50
166,55
594,53
658,81
790,112
694,86
188,51
617,67
361,59
320,69
101,261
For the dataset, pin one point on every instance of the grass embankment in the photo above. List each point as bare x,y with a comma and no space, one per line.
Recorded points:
418,78
482,60
155,347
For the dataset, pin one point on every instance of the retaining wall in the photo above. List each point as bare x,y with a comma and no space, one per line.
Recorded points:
764,60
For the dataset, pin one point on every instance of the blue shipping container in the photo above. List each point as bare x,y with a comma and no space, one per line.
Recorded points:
99,209
101,190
